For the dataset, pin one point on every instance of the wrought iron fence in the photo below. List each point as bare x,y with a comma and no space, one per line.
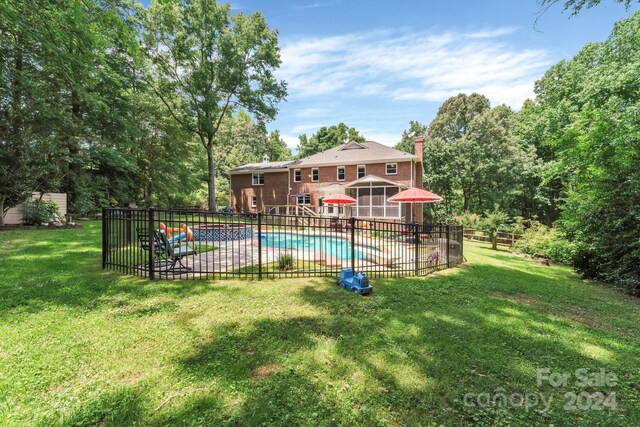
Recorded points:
189,244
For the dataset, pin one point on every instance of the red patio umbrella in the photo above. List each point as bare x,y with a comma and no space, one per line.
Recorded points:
414,195
338,199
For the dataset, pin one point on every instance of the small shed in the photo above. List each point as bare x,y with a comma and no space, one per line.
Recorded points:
14,216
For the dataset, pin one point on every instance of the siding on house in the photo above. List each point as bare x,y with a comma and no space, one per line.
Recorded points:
14,216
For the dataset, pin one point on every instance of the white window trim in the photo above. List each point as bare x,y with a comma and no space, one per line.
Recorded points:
344,168
303,197
315,169
386,169
254,201
253,182
370,205
358,171
294,175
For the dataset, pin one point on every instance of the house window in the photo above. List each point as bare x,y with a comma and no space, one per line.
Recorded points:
254,201
362,171
340,171
315,175
392,169
297,175
304,199
258,179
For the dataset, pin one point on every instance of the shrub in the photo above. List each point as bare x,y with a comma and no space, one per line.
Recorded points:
468,219
492,223
36,212
541,241
285,262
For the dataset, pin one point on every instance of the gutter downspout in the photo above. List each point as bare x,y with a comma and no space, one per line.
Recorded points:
288,187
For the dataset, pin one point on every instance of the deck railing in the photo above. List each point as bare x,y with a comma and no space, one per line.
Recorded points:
188,244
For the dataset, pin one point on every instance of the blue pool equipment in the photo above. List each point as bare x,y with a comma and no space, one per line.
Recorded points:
358,283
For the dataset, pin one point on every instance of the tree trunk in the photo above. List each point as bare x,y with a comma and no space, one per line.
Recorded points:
212,177
1,211
494,242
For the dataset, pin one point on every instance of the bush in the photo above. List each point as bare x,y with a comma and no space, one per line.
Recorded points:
541,241
468,219
492,223
36,212
285,262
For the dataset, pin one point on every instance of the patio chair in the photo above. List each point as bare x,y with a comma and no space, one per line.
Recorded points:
173,252
143,239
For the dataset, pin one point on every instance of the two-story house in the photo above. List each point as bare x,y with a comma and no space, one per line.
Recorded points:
367,171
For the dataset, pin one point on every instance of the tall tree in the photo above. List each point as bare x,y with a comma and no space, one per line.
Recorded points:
327,137
208,62
589,107
277,149
406,142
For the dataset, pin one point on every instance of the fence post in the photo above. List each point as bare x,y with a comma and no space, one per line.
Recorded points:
127,230
105,236
152,244
447,231
416,242
462,246
259,245
352,222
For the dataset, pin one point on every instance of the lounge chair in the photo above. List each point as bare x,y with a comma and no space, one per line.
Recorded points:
143,239
173,252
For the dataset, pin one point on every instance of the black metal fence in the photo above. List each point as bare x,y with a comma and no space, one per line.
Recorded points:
188,244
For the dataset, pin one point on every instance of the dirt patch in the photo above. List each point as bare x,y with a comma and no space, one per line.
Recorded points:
265,371
246,352
520,298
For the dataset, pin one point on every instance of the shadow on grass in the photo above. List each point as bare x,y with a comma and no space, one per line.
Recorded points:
63,268
417,345
122,406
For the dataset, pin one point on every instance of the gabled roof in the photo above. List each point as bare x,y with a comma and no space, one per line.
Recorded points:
357,152
348,153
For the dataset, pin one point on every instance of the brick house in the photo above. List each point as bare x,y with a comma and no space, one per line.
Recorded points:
367,171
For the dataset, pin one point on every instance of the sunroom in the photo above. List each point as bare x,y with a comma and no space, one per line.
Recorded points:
371,193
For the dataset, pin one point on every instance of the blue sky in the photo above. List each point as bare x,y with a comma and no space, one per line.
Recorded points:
377,65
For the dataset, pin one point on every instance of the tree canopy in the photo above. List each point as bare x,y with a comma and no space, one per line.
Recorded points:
206,61
327,137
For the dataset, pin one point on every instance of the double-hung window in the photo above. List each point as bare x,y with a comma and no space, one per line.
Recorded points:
315,175
297,175
392,169
340,173
304,199
362,171
257,179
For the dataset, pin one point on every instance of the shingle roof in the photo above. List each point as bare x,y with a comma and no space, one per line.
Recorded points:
356,152
264,166
348,153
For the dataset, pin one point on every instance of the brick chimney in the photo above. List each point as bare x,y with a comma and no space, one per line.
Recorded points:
417,145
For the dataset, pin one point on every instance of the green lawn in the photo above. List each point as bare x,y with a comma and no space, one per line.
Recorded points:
79,346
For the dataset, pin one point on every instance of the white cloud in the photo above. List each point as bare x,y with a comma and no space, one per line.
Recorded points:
409,65
291,140
386,138
306,127
310,6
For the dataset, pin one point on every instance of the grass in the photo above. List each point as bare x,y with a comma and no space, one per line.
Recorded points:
80,346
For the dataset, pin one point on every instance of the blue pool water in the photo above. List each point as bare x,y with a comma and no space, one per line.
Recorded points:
336,247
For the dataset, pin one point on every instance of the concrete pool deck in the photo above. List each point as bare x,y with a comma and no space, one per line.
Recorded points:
392,256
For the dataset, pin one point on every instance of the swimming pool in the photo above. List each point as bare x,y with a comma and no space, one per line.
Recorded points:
336,247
